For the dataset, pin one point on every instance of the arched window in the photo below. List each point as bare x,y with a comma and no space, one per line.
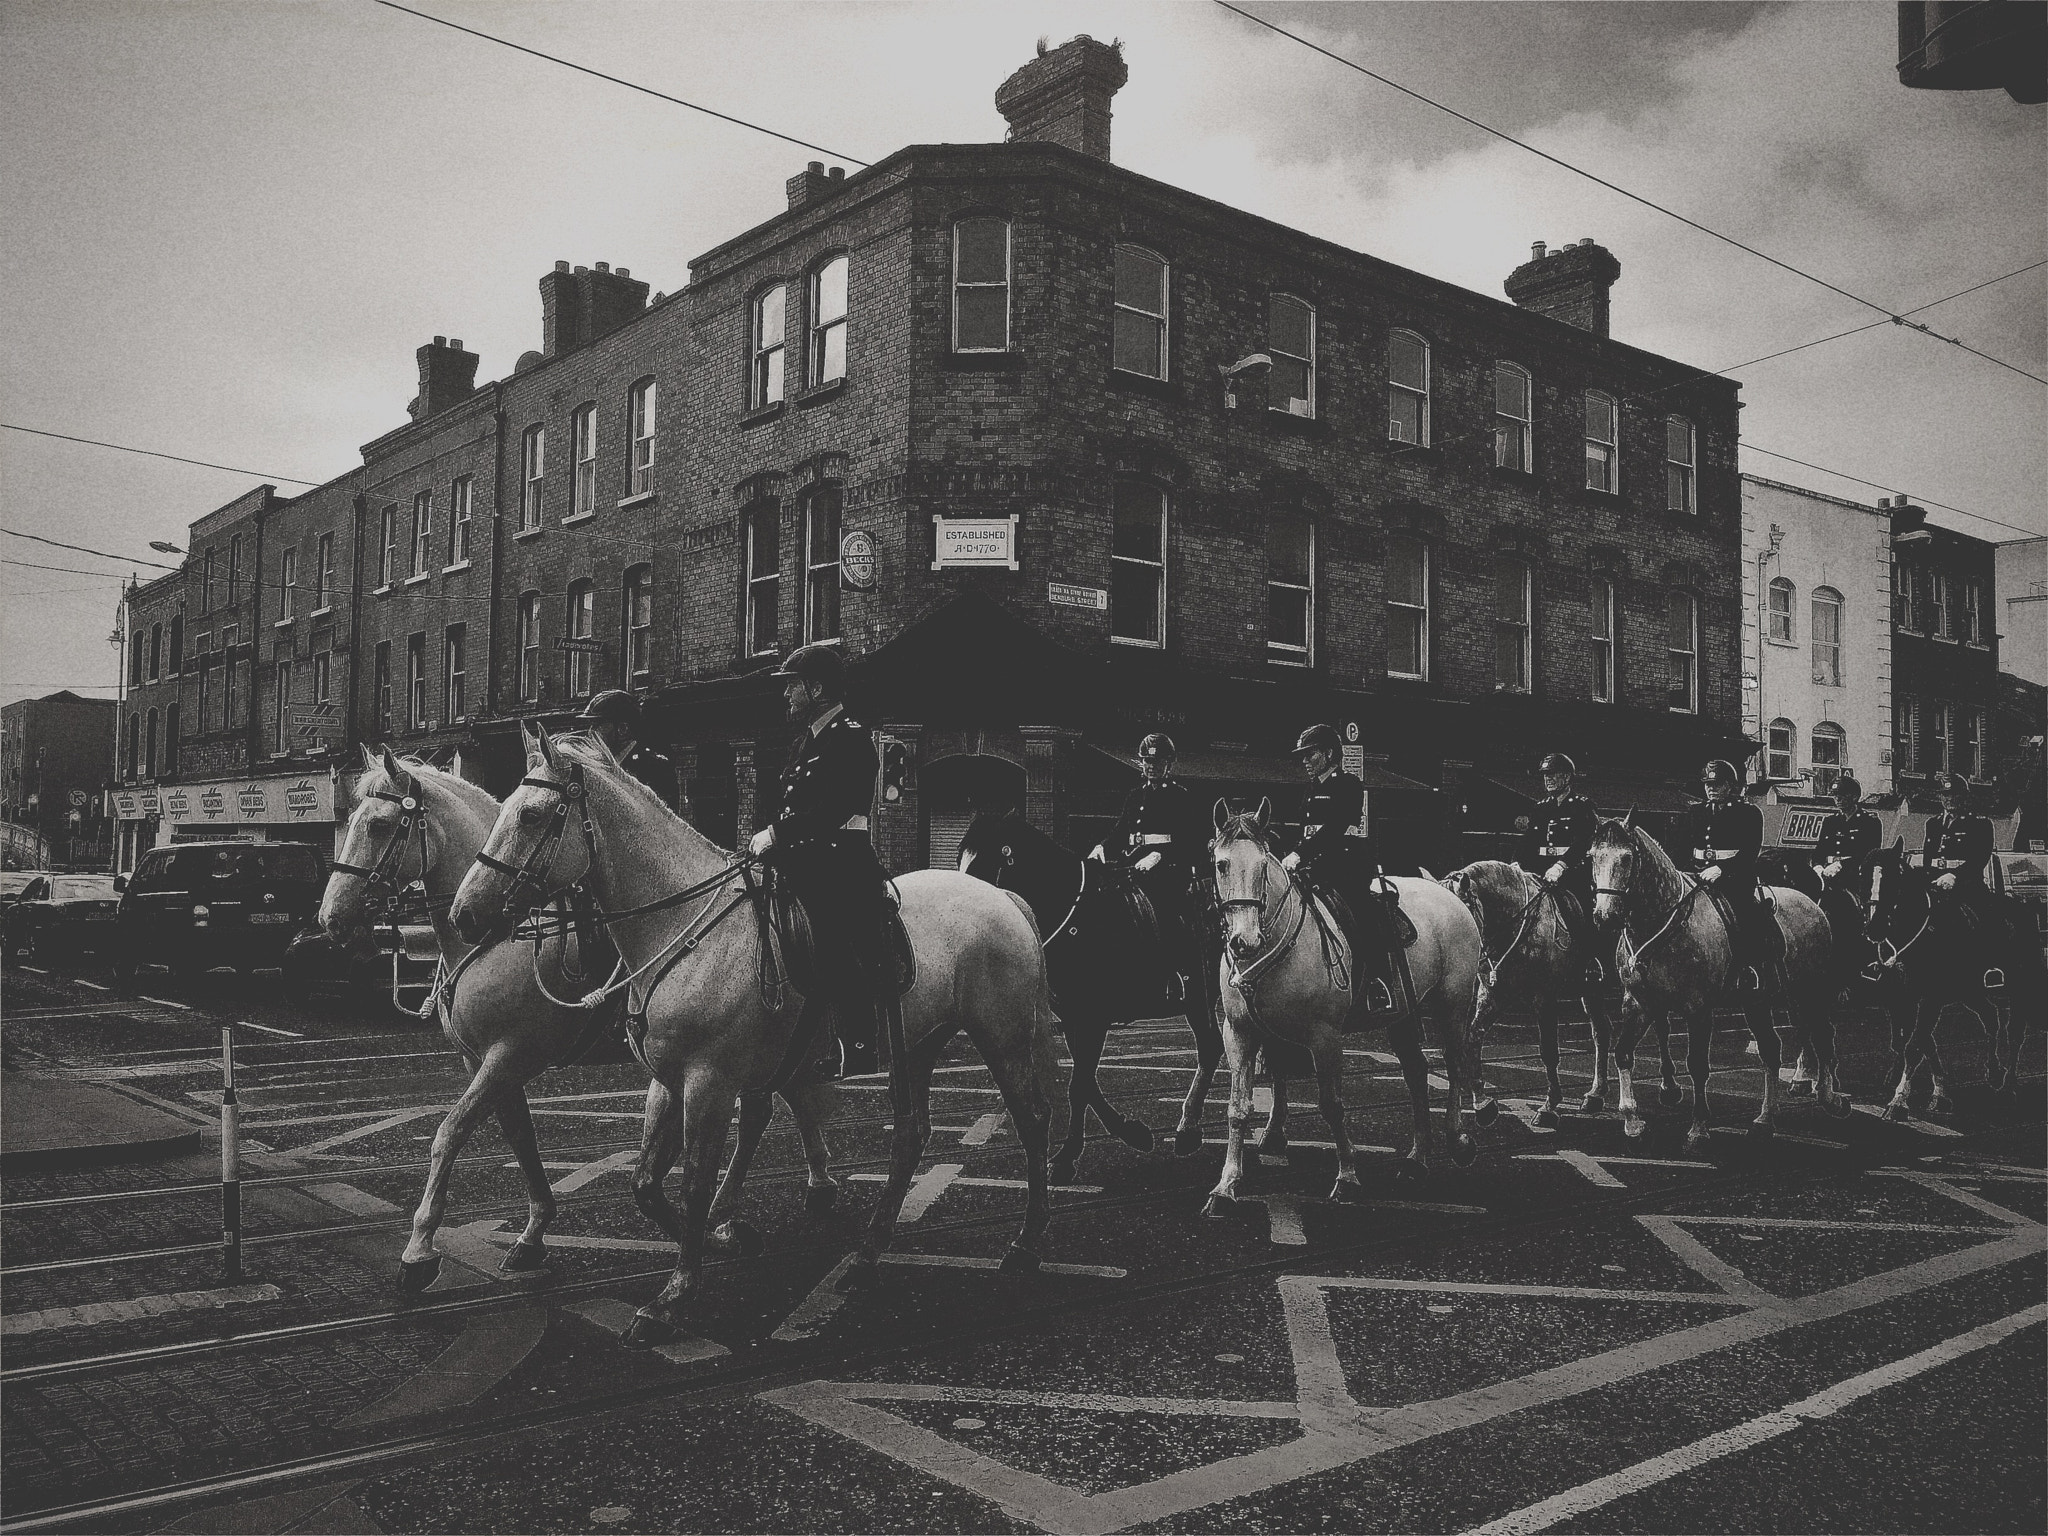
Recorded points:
149,752
1603,461
828,322
639,616
764,579
1140,341
981,285
821,564
640,412
1780,614
1512,420
1291,342
582,626
176,660
134,743
1830,749
1827,636
1681,652
1408,389
764,347
1778,741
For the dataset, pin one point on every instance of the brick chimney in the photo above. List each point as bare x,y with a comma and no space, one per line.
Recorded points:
815,184
578,307
447,377
1062,97
1568,284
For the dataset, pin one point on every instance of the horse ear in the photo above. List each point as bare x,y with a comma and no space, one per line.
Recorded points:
1263,815
369,758
1628,822
392,772
547,747
1222,812
532,744
1899,843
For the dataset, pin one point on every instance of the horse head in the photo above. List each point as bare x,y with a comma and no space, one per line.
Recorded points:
389,844
1244,868
1613,857
541,844
990,846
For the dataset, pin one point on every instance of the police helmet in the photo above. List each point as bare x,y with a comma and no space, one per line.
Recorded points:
1720,774
1557,762
1956,784
1157,747
1847,788
1317,738
614,706
821,665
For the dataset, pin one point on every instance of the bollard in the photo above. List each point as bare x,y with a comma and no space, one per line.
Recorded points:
230,1161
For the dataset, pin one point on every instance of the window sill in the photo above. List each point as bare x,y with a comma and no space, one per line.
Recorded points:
1782,645
819,394
1298,663
574,518
644,498
323,611
1516,476
1006,361
284,623
760,415
528,533
460,565
1297,426
1141,645
1593,496
413,581
383,591
1140,384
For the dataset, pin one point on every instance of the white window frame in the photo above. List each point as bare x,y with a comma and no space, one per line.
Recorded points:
1603,454
1415,614
323,676
422,533
533,467
455,672
416,716
763,587
1602,640
767,370
1779,597
281,709
1306,401
1157,568
381,689
1514,437
824,323
230,637
1827,654
1937,606
821,567
149,752
202,659
287,583
1692,656
1521,631
582,625
1159,320
529,646
387,555
583,460
1279,652
156,652
639,622
1781,750
1972,612
1009,251
1398,390
1825,774
461,505
206,583
1681,475
643,407
235,571
323,573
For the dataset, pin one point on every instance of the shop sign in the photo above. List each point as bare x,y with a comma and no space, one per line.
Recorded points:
134,804
579,643
857,560
309,798
1062,595
177,804
975,543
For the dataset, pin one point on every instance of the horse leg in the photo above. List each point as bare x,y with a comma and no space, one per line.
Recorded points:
1668,1093
1132,1132
1455,1043
1546,1046
755,1110
1633,1022
1405,1036
515,1121
1485,1107
1770,1054
811,1105
1821,1041
1224,1195
706,1115
1084,1044
1906,1046
1017,1079
1699,1055
1187,1136
1273,1139
910,1072
420,1265
661,1140
1602,1030
1330,1099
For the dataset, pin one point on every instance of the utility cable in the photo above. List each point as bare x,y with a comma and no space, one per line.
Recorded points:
81,549
1878,485
71,570
630,85
151,453
1635,197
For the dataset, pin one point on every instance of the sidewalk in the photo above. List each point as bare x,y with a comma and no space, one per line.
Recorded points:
52,1122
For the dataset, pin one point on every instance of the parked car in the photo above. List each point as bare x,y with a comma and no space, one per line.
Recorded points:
57,918
196,906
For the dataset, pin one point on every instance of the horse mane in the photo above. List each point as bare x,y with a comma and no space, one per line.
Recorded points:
475,796
988,825
1500,880
1245,825
587,748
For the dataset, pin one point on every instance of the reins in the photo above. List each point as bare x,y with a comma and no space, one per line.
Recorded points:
1683,904
1526,921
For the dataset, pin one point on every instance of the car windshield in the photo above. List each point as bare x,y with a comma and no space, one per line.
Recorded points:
292,861
187,869
83,888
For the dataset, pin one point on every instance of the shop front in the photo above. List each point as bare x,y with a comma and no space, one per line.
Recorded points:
138,823
283,808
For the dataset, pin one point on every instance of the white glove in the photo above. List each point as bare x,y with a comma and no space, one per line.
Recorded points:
1945,883
1554,874
1832,869
1710,874
1291,863
1150,861
763,841
1097,854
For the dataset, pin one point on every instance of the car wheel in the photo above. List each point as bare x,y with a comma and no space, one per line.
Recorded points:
46,950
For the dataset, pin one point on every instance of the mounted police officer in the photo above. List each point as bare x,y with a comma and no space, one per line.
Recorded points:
1162,836
1958,849
613,716
1559,840
1335,858
819,844
1848,839
1727,841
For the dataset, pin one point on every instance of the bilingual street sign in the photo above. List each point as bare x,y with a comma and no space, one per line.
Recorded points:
578,643
857,560
1065,595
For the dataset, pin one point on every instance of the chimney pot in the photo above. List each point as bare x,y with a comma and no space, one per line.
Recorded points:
625,272
604,266
582,271
837,173
561,266
815,167
456,343
579,306
1063,97
447,377
1570,284
440,341
1536,251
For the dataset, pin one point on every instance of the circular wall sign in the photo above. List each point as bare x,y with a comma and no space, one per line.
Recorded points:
1351,732
857,560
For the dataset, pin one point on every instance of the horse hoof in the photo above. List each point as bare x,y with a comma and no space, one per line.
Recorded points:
1940,1104
1761,1130
744,1236
1546,1117
1464,1150
524,1257
1188,1142
1897,1113
1061,1170
1839,1106
415,1275
861,1275
1347,1192
1020,1260
1274,1148
1593,1104
1696,1136
1671,1098
1410,1170
1136,1135
647,1331
1220,1207
820,1198
1801,1088
1633,1125
1484,1114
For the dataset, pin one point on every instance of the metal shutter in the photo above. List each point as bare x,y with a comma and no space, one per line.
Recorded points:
947,828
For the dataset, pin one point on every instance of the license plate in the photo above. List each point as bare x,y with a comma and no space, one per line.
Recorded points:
270,917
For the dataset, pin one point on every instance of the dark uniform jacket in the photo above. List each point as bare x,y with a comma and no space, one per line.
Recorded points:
1852,839
1959,845
1333,807
831,866
830,781
1164,819
1561,832
1731,836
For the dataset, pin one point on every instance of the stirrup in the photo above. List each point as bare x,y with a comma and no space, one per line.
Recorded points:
1751,980
1994,978
1379,997
1596,972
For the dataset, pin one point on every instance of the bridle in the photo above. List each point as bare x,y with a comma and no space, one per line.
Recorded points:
1244,978
1622,893
531,876
387,886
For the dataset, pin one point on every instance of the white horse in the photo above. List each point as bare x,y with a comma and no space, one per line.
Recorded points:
1280,978
715,1025
415,823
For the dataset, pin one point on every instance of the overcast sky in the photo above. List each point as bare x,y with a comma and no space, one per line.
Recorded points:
226,227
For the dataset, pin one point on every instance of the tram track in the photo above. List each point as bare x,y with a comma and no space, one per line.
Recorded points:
764,1366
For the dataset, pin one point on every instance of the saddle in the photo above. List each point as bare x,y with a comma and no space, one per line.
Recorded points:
1748,929
1120,903
891,972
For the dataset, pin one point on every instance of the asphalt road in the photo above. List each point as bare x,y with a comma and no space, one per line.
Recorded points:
1838,1328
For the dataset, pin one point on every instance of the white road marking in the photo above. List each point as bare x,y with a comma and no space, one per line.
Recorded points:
35,970
403,1117
816,1309
1525,1111
940,1177
96,1312
1592,1165
958,1261
616,1162
607,1244
614,1317
1829,1226
1924,1127
1698,1256
1320,1146
346,1197
269,1029
985,1126
93,984
165,1002
1778,1135
1543,1515
1975,1202
1283,1219
1570,1292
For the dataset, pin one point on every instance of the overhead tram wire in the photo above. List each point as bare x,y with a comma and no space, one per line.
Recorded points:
1879,485
151,453
83,550
631,85
1599,180
69,570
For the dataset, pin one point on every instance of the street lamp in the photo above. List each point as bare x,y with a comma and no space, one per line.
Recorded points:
165,549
